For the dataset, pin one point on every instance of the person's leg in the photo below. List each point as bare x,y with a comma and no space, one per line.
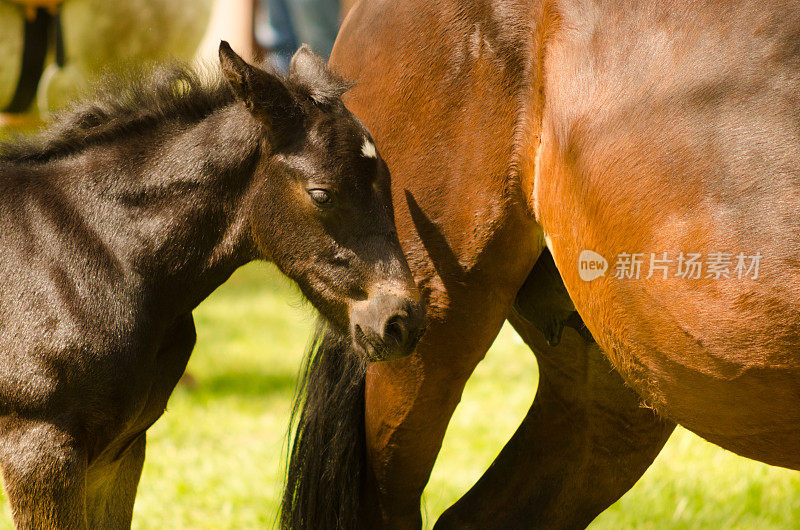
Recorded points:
316,23
274,32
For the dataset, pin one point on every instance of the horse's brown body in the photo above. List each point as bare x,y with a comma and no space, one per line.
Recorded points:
688,142
615,127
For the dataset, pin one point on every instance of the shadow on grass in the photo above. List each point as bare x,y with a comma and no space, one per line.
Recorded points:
255,384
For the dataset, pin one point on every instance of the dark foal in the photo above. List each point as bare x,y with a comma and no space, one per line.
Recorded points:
128,212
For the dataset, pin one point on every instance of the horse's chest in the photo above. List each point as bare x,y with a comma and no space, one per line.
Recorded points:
169,364
142,402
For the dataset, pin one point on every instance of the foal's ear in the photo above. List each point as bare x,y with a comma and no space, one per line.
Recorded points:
264,94
308,70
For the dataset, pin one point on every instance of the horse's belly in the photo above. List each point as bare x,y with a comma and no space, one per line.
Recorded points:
717,353
747,408
721,359
660,182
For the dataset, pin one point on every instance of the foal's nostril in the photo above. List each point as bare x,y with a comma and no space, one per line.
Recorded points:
386,326
395,330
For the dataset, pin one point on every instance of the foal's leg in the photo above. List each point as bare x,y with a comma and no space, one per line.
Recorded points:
44,470
112,488
583,444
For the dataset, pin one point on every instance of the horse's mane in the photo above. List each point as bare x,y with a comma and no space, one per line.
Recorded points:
140,99
124,104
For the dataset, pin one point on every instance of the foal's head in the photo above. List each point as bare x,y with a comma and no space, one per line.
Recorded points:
322,211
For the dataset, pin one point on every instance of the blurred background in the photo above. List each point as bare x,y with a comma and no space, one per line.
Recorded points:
215,459
54,49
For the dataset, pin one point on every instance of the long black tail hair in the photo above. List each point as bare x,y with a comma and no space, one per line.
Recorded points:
327,458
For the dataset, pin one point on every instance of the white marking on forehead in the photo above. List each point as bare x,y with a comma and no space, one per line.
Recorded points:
368,149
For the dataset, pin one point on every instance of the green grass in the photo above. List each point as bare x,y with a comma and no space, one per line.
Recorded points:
214,459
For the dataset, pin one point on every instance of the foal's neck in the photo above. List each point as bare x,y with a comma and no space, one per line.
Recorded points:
172,203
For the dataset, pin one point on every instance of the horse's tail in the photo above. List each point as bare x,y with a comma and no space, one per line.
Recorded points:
327,457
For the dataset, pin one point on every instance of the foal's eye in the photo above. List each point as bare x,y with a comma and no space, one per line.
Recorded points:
320,196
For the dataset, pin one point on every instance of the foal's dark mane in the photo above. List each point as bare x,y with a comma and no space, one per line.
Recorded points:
123,105
139,100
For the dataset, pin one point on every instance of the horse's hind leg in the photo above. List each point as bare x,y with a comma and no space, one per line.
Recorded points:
44,470
584,442
111,489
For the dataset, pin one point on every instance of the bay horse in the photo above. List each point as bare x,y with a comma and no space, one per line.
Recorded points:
526,130
131,209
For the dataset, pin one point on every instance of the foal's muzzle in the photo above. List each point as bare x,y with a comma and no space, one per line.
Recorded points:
386,326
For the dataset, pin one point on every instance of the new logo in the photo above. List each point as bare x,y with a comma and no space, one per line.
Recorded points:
591,265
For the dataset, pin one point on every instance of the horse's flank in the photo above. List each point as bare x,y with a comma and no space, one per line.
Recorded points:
687,142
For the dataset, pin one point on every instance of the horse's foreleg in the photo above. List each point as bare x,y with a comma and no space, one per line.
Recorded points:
44,470
112,488
583,444
408,406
